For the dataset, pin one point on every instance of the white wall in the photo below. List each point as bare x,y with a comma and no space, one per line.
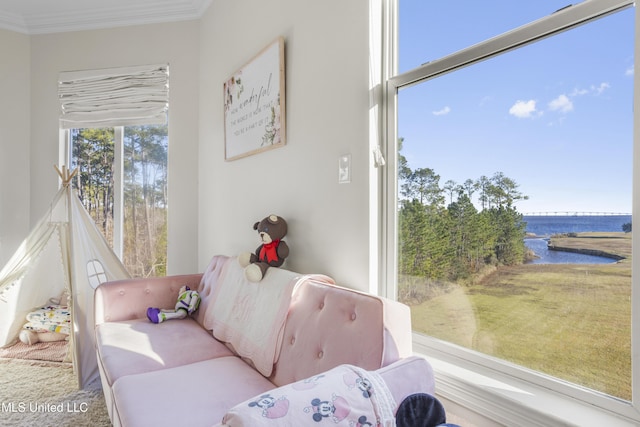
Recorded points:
175,43
327,100
213,203
14,141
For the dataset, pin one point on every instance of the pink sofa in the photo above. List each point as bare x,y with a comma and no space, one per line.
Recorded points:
203,371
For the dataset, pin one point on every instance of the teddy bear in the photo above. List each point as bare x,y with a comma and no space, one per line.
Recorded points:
271,253
188,302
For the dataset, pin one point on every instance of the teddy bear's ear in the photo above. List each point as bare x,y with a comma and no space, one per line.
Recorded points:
255,226
273,219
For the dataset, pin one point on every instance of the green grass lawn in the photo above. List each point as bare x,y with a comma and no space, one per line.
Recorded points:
571,321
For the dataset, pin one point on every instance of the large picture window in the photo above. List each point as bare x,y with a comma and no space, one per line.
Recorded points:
510,216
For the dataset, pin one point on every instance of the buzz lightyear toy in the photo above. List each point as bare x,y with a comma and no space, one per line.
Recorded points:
188,302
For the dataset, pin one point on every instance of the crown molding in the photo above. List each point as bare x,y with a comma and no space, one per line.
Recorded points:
106,17
12,22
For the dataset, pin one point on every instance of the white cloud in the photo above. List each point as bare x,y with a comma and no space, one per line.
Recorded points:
562,104
523,109
595,90
445,110
629,71
599,89
485,100
577,92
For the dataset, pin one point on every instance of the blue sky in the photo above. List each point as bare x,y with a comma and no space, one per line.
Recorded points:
555,116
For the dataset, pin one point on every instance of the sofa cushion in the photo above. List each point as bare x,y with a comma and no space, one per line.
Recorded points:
329,325
198,394
135,346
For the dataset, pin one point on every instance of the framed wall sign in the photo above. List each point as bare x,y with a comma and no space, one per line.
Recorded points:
254,110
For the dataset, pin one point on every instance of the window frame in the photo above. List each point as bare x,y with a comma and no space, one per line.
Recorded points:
460,372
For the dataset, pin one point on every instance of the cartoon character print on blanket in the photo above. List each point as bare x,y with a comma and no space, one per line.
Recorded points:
336,410
344,396
51,318
270,406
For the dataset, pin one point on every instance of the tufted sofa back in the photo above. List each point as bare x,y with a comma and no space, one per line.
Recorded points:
329,325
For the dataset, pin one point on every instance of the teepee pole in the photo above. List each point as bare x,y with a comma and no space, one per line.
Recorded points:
66,243
67,256
65,175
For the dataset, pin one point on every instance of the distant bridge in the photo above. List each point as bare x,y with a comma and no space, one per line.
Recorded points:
575,213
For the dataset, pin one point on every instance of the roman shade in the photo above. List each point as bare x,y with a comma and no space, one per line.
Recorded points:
114,97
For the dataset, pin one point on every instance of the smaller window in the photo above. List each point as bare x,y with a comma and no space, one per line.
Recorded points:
122,183
95,273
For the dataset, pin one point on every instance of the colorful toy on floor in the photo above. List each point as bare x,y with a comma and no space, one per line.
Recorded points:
188,302
46,324
271,253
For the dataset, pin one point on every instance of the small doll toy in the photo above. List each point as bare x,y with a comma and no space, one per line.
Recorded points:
188,302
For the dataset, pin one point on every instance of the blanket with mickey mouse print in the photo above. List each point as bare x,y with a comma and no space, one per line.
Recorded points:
344,396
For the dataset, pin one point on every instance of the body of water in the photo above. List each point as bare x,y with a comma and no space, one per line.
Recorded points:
545,226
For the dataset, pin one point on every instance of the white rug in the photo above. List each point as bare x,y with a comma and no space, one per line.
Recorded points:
45,394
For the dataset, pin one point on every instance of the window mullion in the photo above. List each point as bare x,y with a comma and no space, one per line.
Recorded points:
635,275
388,271
118,196
389,197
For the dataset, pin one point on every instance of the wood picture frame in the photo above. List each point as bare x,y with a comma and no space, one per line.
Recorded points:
254,104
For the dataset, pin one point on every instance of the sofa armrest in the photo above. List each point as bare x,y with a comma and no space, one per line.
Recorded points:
129,299
408,376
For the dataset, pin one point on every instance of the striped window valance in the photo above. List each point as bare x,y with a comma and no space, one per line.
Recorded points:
114,97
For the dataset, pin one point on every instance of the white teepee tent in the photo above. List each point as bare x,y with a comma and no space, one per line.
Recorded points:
64,251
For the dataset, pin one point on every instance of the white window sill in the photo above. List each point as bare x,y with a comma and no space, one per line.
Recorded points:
514,402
